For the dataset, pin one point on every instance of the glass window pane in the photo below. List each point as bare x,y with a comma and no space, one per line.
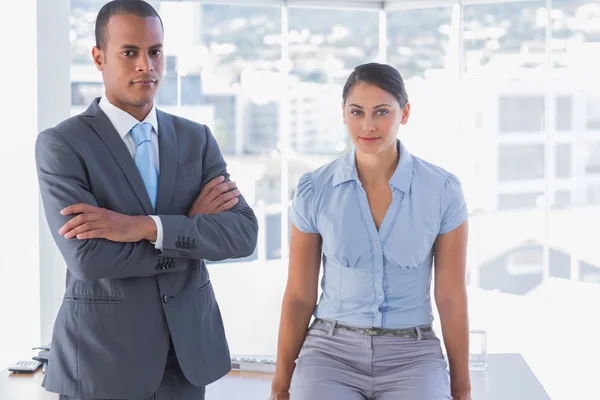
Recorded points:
521,162
564,113
521,113
562,198
418,41
593,113
518,201
592,161
563,160
504,39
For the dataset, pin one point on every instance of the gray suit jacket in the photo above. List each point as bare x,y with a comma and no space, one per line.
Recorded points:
124,300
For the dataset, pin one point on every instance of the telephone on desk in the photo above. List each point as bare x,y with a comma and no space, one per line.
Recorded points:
30,366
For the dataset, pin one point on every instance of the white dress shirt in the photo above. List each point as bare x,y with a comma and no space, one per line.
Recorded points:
123,122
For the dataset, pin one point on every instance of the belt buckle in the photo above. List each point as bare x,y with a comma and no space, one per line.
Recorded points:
371,332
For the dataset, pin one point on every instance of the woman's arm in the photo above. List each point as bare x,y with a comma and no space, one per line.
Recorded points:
451,300
299,302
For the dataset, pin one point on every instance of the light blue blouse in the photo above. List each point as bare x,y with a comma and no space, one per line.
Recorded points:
377,278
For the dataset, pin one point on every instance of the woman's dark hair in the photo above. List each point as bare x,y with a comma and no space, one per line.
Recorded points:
383,76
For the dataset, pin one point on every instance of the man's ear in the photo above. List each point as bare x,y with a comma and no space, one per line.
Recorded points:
98,56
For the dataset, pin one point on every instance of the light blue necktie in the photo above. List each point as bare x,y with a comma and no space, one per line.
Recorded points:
141,134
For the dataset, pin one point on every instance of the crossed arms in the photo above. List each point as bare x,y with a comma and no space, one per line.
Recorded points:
98,243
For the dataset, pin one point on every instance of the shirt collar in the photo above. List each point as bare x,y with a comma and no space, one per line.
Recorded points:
401,179
123,121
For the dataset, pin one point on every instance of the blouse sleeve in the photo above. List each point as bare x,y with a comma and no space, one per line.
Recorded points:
453,205
303,213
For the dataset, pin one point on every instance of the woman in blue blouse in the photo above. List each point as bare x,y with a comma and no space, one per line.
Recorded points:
377,218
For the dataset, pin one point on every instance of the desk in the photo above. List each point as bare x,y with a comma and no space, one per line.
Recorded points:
508,378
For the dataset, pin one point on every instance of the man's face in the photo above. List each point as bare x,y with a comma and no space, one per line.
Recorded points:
131,61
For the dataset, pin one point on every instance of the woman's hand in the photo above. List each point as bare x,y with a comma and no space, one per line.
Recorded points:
280,396
461,396
280,388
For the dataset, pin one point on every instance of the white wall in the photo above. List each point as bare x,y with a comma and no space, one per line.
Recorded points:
34,94
54,100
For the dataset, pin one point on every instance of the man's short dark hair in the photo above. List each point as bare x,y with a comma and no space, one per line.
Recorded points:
138,8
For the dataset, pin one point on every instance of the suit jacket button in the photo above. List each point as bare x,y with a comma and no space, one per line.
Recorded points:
166,298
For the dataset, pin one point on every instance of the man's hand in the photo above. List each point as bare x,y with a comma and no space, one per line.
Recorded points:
100,223
215,197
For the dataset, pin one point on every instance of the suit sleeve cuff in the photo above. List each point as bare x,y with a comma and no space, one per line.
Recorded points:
159,232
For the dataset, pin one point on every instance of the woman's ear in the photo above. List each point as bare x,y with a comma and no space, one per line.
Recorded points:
344,112
405,113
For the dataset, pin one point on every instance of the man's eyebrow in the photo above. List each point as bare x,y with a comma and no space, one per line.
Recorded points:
134,47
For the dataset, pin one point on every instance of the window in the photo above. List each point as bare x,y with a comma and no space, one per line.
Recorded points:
521,114
592,163
503,40
593,113
562,198
593,195
418,39
520,162
168,94
564,113
563,160
82,93
518,201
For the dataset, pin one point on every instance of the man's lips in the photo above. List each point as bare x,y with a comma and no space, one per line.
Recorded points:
145,81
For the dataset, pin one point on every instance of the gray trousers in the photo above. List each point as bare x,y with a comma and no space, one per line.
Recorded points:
174,385
334,364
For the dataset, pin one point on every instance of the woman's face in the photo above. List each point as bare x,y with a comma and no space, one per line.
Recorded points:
373,117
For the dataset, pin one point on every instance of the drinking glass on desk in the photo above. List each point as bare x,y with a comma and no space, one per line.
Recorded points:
478,357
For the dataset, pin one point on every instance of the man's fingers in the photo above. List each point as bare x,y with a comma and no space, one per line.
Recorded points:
86,227
227,206
75,222
220,189
210,185
77,209
93,234
225,197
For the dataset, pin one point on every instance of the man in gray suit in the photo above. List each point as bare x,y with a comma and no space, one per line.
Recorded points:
136,199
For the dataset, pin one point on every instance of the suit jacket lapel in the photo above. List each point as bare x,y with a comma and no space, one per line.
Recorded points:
103,127
168,154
